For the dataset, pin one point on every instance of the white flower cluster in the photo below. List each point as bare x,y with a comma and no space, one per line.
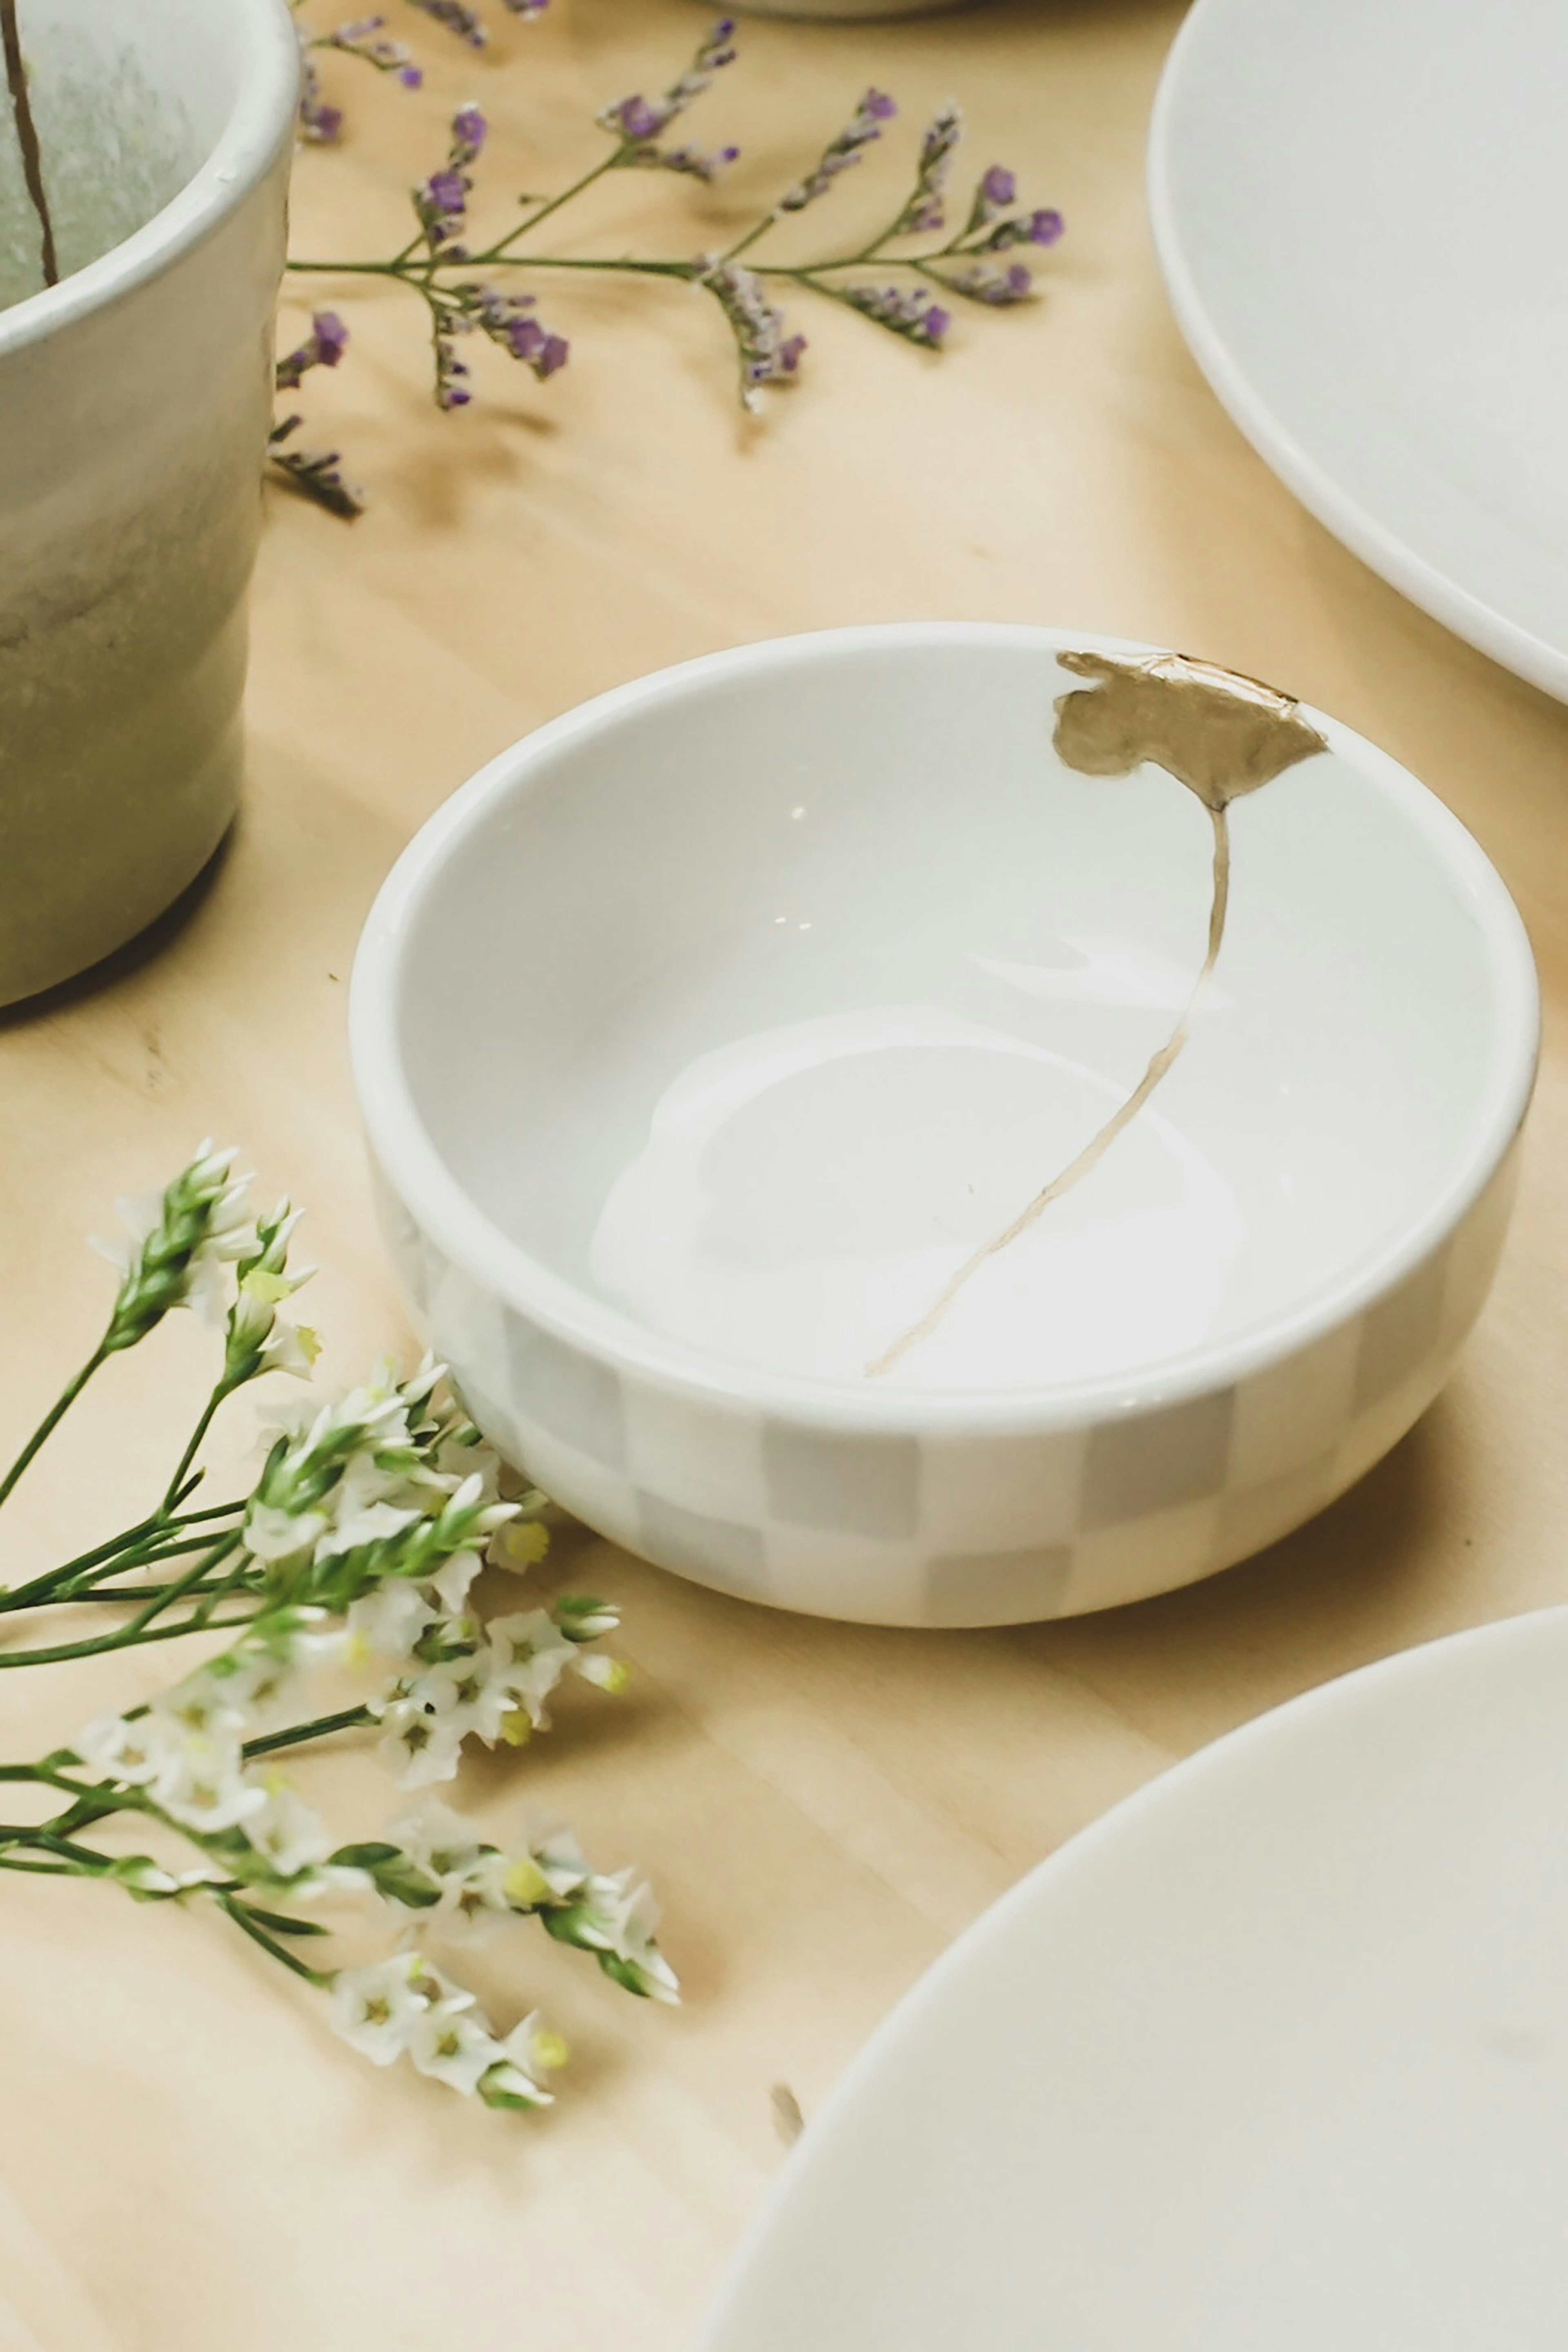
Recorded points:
404,2005
179,1248
187,1750
436,1866
494,1687
370,1519
179,1244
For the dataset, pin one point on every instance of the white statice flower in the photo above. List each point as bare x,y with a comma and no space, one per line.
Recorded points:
451,2040
529,2052
286,1833
472,1690
143,1875
323,1880
469,1873
388,1620
461,1455
531,1653
417,1746
619,1916
611,1674
273,1531
534,2047
202,1784
132,1752
258,1680
473,1900
437,1840
557,1858
451,1583
376,2008
257,1342
520,1545
203,1703
291,1418
293,1347
204,1211
356,1525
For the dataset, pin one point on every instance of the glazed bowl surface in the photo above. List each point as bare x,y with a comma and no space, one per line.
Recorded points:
712,1042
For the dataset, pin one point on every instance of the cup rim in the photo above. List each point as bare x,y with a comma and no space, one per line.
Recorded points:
413,1167
258,130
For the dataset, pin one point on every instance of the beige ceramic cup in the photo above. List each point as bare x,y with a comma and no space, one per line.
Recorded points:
135,406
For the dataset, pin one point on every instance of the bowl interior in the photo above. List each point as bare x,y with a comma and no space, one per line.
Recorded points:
754,1001
127,103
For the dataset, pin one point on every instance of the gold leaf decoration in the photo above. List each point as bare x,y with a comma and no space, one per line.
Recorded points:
1216,732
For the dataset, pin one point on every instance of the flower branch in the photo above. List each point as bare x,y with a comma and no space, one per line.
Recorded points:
460,285
353,1554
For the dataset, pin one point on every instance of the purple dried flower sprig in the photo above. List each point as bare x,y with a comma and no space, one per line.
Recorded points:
366,38
636,120
926,211
455,17
904,311
912,305
441,202
317,473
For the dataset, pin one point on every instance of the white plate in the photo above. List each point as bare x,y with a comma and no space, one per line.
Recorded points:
1275,2057
1359,208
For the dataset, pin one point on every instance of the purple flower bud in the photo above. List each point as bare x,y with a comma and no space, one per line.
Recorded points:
998,187
936,322
318,122
469,127
555,355
1045,227
447,194
637,118
790,351
331,337
878,106
1017,281
411,78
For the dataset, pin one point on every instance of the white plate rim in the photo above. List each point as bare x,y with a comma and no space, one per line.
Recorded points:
995,1925
1349,522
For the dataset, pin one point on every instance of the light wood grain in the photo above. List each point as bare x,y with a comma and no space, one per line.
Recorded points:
188,2163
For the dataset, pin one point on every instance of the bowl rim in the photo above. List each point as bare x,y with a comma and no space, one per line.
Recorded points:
259,130
406,1154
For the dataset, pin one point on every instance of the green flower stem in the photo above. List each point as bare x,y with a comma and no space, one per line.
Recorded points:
48,1842
119,1595
251,1926
113,1557
224,1390
352,1719
548,205
124,1637
55,1415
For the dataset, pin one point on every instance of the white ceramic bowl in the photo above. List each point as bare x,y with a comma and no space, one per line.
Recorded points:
706,1031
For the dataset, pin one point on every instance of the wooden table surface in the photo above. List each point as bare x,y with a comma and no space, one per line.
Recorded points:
188,2160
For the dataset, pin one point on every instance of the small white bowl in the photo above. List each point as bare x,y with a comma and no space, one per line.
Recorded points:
707,1032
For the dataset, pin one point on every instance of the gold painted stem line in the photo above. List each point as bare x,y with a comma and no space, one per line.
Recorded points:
1096,1148
28,137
